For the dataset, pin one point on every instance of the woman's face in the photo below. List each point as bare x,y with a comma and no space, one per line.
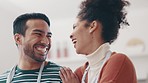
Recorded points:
81,37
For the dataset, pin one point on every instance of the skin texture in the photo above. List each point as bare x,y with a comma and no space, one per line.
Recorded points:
86,36
34,46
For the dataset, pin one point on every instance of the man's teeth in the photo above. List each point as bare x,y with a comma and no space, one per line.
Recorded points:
42,49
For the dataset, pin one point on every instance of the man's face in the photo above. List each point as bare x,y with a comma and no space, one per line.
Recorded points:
37,40
81,37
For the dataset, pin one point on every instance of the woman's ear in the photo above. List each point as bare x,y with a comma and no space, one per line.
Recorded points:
93,26
18,38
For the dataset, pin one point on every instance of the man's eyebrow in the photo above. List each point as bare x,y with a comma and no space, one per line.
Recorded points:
36,30
49,33
41,31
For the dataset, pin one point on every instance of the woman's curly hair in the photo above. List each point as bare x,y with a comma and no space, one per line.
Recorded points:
111,14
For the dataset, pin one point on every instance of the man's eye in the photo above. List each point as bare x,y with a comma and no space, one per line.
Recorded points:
49,36
38,34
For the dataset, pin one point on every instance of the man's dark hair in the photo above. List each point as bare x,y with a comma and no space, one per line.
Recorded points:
110,13
19,24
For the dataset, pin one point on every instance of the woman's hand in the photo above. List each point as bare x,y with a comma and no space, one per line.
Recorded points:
68,76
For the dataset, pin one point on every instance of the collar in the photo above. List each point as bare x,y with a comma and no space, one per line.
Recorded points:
98,55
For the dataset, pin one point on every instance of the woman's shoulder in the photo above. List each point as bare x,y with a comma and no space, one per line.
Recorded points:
118,68
116,55
118,63
119,58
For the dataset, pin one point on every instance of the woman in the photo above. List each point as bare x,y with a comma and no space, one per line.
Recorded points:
97,26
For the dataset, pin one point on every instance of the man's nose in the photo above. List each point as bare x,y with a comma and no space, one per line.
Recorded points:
45,40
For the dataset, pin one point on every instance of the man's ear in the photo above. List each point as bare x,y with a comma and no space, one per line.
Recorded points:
18,38
93,26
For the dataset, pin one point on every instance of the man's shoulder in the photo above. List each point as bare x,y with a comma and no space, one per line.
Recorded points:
3,76
5,73
52,64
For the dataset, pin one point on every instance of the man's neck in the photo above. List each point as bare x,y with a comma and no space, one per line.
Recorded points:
25,64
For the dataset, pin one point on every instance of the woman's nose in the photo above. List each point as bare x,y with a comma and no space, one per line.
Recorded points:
71,36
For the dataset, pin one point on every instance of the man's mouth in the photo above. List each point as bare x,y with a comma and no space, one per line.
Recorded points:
43,49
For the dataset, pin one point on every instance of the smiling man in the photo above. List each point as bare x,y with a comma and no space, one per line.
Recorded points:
33,39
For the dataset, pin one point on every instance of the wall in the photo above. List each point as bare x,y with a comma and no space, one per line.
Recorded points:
62,27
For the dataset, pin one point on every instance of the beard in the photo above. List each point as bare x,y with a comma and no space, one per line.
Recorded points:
33,54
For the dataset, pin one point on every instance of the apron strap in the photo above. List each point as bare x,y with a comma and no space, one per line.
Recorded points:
12,73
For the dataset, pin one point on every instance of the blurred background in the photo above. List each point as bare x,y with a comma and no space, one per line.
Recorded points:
132,40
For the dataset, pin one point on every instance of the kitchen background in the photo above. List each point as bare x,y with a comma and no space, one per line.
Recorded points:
132,40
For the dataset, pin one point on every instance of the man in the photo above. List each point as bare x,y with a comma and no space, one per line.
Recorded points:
97,26
33,39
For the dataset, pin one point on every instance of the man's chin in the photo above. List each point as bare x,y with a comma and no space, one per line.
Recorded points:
41,58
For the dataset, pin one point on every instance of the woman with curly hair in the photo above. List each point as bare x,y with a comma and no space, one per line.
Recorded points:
97,26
